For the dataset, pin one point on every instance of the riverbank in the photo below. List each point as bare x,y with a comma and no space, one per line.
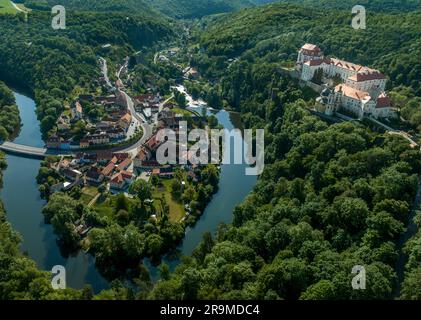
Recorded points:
23,205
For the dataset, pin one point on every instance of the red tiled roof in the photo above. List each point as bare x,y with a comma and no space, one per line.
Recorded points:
127,118
310,47
153,142
108,169
117,178
126,174
366,76
104,155
125,164
352,93
121,156
383,101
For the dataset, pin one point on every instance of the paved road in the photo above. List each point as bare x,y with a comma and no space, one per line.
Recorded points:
146,128
26,150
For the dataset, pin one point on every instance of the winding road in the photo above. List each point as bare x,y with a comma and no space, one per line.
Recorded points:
40,153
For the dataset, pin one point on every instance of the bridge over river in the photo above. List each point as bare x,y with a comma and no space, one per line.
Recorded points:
22,150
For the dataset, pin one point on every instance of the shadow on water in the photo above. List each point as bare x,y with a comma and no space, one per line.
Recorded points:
24,209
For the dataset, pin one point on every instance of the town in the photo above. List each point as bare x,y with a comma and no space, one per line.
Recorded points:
107,142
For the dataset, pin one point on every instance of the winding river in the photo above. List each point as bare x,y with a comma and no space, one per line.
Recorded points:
24,206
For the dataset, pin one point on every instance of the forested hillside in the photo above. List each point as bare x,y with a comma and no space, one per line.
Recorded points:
52,63
9,113
371,5
188,9
331,196
180,9
134,6
261,40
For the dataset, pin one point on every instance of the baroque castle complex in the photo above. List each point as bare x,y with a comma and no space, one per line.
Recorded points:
352,88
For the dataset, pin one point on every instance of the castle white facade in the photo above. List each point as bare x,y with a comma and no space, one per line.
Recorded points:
361,90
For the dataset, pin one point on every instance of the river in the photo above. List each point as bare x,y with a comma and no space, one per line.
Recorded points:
24,206
234,186
24,209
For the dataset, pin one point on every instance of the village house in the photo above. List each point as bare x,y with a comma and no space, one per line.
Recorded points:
63,123
71,174
121,180
116,133
169,119
121,156
125,121
104,156
191,73
124,165
61,186
143,155
84,143
153,143
98,139
86,158
94,176
146,101
56,142
107,171
165,172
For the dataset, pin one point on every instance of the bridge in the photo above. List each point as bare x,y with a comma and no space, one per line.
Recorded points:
21,150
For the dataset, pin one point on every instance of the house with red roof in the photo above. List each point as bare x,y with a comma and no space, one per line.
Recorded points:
121,180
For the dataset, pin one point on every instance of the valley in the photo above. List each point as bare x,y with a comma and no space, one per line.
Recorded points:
338,190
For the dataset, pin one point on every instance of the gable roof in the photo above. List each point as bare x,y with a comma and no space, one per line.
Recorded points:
352,93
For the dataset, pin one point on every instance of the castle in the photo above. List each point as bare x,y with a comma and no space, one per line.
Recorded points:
352,88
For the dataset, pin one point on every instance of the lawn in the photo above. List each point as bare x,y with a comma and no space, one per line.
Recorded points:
88,193
6,6
184,112
108,206
176,208
105,208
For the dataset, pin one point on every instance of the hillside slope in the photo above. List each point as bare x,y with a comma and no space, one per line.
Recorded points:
331,196
180,9
371,5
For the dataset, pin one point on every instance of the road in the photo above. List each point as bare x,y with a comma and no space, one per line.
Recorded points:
23,150
16,7
146,128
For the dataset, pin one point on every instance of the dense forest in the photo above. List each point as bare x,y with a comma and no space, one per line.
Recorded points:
9,113
331,196
180,9
51,64
371,5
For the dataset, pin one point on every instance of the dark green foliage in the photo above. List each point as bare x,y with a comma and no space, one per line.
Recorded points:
9,113
51,63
